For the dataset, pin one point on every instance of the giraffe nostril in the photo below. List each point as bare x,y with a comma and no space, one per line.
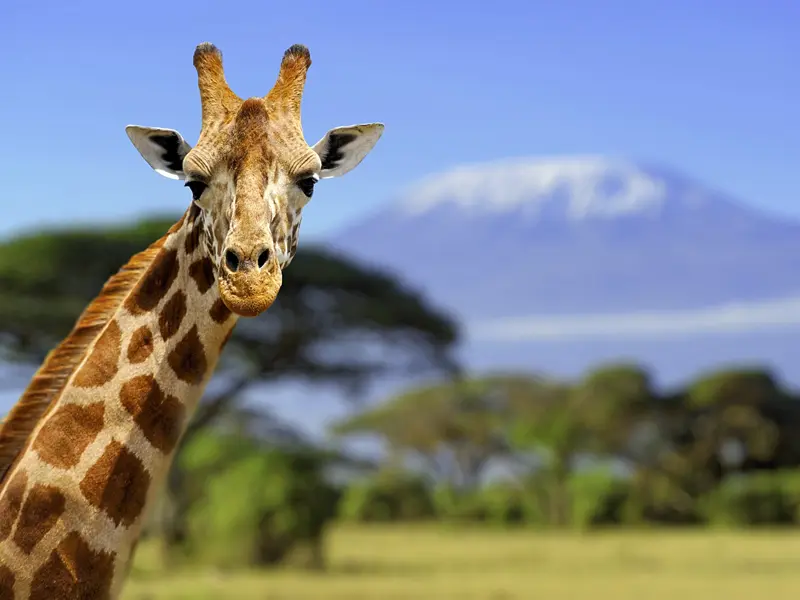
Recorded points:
232,260
263,258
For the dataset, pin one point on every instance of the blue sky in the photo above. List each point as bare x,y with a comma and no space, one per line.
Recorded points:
710,87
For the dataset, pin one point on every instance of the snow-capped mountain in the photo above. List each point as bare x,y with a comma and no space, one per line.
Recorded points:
573,188
577,235
569,189
523,245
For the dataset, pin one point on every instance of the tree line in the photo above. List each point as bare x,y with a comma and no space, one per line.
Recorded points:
609,449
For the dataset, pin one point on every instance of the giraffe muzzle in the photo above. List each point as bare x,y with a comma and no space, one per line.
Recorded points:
248,287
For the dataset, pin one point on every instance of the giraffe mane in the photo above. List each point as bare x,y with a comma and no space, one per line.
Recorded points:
50,380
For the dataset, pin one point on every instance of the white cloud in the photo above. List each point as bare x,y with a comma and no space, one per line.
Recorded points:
725,318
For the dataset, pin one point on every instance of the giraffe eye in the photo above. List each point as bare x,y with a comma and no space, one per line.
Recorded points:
306,185
197,187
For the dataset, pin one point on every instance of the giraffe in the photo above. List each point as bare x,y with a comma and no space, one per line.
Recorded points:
89,442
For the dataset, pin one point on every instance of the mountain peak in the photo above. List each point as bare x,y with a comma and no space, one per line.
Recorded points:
571,187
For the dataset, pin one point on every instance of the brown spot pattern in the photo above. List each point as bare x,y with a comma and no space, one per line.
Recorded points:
74,570
202,271
193,238
188,359
7,580
194,212
171,317
67,433
295,238
159,415
155,283
117,484
11,503
219,312
141,345
103,362
42,509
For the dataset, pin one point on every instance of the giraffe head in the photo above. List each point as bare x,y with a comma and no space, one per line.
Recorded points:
252,172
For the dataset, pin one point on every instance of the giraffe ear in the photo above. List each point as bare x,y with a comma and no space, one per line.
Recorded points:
163,149
342,148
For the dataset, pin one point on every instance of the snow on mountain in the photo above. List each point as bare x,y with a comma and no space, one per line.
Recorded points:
568,189
576,187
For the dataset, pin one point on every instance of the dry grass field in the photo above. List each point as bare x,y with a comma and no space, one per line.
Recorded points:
438,563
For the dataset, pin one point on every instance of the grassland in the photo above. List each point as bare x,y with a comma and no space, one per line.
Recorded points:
438,563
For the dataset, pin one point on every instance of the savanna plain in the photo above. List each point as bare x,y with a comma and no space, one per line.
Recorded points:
437,562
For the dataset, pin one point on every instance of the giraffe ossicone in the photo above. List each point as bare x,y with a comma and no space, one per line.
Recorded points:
90,440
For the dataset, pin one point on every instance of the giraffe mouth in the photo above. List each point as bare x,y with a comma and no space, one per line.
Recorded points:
249,294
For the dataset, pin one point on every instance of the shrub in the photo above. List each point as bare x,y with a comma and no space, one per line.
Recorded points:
386,497
451,505
261,507
597,498
767,498
653,498
501,504
507,504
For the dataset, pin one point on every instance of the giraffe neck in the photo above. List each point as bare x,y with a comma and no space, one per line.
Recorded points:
72,503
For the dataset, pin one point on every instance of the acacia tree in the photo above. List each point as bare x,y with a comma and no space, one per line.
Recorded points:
453,429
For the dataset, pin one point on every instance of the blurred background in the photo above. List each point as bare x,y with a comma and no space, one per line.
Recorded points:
543,341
